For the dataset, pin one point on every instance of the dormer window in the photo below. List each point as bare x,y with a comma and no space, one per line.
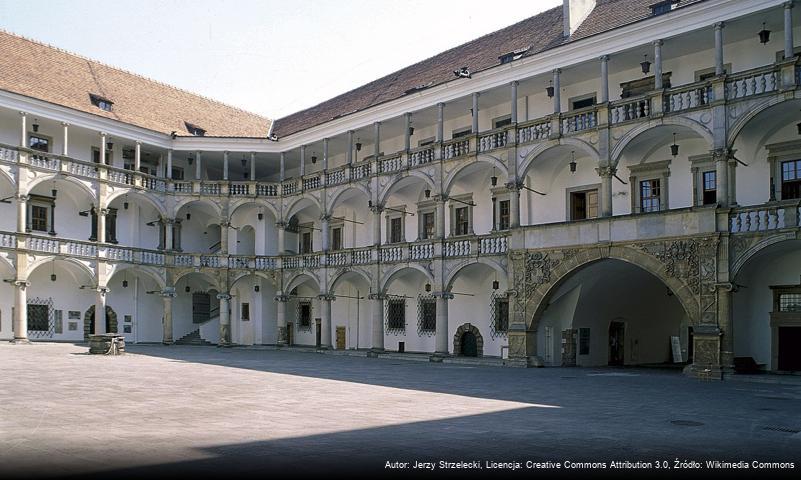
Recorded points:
663,7
194,129
512,56
101,102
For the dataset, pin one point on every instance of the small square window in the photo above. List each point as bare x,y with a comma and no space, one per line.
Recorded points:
194,129
101,102
39,143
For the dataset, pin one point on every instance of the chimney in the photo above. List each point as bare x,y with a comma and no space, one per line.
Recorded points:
574,12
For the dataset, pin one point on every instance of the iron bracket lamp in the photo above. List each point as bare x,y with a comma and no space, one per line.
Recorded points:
764,35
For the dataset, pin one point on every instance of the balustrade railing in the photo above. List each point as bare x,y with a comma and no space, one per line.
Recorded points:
120,176
81,169
457,248
8,240
421,251
357,172
120,254
492,140
748,84
455,148
240,261
184,260
265,263
42,160
421,155
152,258
392,253
337,259
8,154
494,245
182,187
302,261
289,188
361,256
154,183
239,189
267,189
765,217
210,188
627,110
529,132
391,164
311,182
335,177
580,120
46,245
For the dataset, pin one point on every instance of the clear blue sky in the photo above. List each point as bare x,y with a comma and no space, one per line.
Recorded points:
269,57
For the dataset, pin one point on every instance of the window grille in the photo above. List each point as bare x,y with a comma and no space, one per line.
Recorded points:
304,322
426,315
499,315
41,323
395,315
790,302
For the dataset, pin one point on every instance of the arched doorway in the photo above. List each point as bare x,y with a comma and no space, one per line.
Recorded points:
89,321
468,342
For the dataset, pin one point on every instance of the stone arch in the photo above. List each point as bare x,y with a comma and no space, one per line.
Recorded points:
299,204
44,260
541,148
299,278
6,265
745,256
248,274
457,339
390,276
338,195
678,121
88,318
234,206
213,281
150,272
400,180
8,176
454,272
753,112
58,177
542,294
488,159
148,197
216,209
341,275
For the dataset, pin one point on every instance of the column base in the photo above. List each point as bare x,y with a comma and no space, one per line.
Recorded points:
20,341
701,372
374,352
438,357
168,342
524,362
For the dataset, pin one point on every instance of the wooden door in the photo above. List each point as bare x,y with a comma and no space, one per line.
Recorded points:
340,338
616,342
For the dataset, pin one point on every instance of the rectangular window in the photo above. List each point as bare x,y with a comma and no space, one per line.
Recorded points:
305,242
791,179
177,173
461,221
649,195
245,311
584,341
36,142
503,215
790,302
710,187
426,141
304,312
96,155
502,122
396,314
429,225
201,307
463,132
428,315
101,102
38,318
501,314
583,102
662,8
395,230
584,205
336,238
39,218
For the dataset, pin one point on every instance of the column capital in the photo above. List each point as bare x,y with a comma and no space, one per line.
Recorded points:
443,295
102,134
281,225
168,292
377,208
476,94
223,296
225,224
23,198
330,297
102,290
604,58
281,298
325,217
658,43
138,142
376,123
557,71
441,104
23,284
606,172
441,197
102,211
514,83
23,114
722,154
514,185
789,4
65,124
377,296
719,25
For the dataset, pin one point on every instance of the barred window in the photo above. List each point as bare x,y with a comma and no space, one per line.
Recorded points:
38,318
790,302
427,315
396,315
499,323
304,315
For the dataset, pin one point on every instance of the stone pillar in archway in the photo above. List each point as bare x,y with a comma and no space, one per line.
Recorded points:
514,204
441,337
724,294
224,236
377,321
325,314
280,318
606,174
281,226
225,319
441,199
324,219
20,312
22,213
167,295
100,310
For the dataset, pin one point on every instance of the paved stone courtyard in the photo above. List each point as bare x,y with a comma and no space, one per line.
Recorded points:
185,409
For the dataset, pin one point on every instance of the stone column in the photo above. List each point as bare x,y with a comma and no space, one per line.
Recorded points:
377,209
225,319
65,146
280,318
325,314
167,295
788,30
102,148
441,199
282,167
138,156
350,147
325,154
324,231
281,226
302,160
224,224
441,336
440,122
719,69
377,321
475,113
407,137
514,204
726,325
100,310
101,224
168,241
658,65
197,166
225,165
513,93
604,79
22,213
20,312
606,174
168,173
377,135
253,166
721,156
557,102
23,135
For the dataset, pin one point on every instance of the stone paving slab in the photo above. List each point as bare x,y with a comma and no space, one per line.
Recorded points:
191,409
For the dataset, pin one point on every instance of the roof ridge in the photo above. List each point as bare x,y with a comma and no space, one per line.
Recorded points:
119,69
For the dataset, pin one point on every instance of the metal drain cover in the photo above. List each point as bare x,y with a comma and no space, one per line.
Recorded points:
686,423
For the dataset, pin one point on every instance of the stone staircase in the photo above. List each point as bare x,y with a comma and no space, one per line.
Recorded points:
192,338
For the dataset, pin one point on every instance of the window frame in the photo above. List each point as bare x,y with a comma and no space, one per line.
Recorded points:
48,139
455,204
778,154
41,201
585,189
659,170
500,194
592,97
397,213
424,208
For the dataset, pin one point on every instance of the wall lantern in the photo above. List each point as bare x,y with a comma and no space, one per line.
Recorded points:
549,89
188,215
187,289
109,145
125,280
189,160
427,191
125,205
764,35
494,180
358,145
674,149
572,162
35,125
646,65
799,128
411,130
256,288
428,287
260,216
495,285
314,158
53,271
